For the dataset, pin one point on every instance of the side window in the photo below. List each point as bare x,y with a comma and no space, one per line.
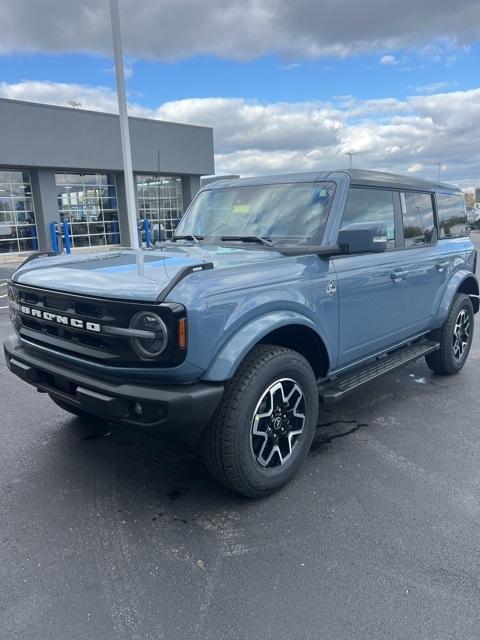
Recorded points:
452,217
418,221
371,205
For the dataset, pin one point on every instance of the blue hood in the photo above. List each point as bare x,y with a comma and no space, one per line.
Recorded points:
128,274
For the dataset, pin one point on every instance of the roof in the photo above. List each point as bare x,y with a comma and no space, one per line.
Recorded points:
358,177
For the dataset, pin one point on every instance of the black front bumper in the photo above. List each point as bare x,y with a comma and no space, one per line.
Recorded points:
179,411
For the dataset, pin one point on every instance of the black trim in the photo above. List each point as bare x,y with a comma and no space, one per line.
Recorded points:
307,250
174,411
183,273
37,254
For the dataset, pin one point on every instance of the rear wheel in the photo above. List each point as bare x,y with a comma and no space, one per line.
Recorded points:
455,338
265,424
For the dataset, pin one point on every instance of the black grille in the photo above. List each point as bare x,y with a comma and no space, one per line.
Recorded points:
89,345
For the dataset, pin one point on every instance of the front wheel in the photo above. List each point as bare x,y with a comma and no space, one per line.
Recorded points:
455,337
265,424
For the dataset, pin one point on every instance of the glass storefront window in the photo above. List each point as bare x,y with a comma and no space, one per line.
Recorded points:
18,231
160,201
89,202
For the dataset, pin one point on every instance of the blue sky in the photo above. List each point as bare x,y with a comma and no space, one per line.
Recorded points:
268,78
285,85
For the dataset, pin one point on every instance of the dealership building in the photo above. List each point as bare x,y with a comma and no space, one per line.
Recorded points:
64,164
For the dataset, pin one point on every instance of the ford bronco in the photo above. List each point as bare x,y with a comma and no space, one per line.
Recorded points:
273,296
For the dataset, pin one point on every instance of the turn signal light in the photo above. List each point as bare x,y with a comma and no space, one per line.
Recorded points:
182,333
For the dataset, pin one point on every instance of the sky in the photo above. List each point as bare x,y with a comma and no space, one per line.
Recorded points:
286,86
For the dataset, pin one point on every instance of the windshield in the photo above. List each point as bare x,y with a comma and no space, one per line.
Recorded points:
293,213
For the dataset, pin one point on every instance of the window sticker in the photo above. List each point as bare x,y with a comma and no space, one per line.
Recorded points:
241,208
320,196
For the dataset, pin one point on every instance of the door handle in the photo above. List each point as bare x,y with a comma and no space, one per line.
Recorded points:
398,276
441,266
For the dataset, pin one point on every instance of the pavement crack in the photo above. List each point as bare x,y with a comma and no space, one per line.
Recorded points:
329,424
319,443
328,439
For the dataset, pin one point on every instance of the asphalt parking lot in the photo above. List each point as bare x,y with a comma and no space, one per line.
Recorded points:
106,534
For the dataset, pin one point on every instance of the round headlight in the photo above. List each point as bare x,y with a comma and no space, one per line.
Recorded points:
153,345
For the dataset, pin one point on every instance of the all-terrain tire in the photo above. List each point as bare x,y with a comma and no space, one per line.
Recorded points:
446,360
228,444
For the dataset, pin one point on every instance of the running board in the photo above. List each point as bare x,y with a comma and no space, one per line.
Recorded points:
334,390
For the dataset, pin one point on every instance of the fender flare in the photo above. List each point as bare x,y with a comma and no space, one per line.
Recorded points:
231,353
453,286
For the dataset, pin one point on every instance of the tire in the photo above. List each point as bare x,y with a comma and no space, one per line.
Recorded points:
455,338
71,408
265,424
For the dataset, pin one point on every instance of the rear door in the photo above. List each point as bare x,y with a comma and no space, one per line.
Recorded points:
428,268
373,288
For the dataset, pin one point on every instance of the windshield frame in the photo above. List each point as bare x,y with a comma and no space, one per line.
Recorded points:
215,237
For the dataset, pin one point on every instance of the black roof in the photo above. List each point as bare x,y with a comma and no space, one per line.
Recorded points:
362,177
358,177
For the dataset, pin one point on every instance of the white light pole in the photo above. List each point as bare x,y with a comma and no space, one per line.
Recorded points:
124,130
350,156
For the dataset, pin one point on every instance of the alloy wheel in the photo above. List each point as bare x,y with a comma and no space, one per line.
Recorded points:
277,423
461,334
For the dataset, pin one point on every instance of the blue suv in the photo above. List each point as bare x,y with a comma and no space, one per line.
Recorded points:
274,295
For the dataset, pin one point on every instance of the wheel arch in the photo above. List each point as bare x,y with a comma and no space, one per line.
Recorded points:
469,286
461,282
305,341
288,329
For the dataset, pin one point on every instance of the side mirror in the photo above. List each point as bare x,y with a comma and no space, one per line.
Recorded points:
363,237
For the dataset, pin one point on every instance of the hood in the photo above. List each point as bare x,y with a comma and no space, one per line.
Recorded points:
128,274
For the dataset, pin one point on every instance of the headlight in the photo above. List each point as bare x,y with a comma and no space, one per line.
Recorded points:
155,341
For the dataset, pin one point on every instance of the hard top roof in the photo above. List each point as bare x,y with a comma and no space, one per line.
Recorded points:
358,177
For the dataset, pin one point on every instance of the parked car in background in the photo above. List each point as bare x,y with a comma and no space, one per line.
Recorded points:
275,295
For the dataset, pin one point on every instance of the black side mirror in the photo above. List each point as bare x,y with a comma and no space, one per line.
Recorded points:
363,237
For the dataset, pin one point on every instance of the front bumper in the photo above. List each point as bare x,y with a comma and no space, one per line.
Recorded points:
179,411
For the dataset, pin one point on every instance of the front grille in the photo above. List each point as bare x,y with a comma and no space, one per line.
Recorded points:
88,344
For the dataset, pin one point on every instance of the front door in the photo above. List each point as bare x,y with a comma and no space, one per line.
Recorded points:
372,289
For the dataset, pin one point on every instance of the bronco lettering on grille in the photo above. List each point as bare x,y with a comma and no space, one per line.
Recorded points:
76,323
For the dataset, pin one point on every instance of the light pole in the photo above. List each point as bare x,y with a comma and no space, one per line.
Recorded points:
350,155
439,165
124,129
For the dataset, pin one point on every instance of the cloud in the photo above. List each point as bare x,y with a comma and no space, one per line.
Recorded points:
252,137
175,29
433,87
388,60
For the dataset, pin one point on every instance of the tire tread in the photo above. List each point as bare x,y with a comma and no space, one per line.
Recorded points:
218,442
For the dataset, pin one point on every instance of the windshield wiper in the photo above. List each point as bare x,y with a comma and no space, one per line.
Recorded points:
188,236
266,241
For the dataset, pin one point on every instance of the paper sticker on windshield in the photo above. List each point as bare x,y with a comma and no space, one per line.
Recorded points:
320,195
241,208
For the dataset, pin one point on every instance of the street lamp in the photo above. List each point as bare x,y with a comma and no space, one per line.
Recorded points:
350,154
124,129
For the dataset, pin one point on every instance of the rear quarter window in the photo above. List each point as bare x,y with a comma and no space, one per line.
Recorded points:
418,222
452,215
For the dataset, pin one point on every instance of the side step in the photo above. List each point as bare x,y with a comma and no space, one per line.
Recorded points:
334,390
